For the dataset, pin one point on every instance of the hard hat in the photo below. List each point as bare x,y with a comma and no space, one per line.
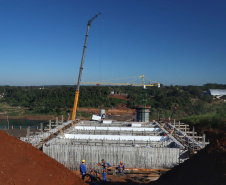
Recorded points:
83,160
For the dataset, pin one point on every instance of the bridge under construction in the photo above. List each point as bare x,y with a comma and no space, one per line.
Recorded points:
151,145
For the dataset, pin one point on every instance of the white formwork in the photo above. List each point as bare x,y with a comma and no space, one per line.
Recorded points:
116,128
116,137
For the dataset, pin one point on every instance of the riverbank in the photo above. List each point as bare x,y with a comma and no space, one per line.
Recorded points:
118,113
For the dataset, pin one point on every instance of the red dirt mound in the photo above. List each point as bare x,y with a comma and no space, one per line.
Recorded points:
22,164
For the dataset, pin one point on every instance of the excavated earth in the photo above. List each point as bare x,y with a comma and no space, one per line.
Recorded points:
22,164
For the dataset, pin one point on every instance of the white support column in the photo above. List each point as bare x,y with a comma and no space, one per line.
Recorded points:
41,128
49,124
56,121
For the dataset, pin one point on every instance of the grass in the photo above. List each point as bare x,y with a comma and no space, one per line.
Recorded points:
5,106
84,115
209,120
11,111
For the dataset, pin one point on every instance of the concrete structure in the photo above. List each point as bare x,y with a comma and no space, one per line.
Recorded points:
141,147
102,113
71,155
151,145
140,111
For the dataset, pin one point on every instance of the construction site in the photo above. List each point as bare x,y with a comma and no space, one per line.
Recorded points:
147,148
150,147
166,152
143,145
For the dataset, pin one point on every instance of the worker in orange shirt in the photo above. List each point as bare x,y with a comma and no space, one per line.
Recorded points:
93,175
121,167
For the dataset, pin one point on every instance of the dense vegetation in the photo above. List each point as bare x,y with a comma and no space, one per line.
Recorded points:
192,105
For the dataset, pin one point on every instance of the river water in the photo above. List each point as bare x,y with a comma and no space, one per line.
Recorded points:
16,123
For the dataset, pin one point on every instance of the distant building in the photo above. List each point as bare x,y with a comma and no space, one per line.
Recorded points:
217,93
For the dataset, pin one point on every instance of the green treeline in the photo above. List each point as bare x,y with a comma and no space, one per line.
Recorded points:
192,104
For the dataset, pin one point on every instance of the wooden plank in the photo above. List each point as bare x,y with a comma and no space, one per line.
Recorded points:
190,132
182,125
140,169
200,137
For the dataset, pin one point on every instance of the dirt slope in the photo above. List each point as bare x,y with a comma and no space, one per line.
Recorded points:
22,164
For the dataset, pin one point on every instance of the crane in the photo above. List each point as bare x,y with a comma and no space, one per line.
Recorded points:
124,84
143,84
81,68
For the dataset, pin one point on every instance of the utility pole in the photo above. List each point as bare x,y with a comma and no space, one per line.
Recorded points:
8,121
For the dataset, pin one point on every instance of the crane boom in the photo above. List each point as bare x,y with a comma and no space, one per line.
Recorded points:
81,68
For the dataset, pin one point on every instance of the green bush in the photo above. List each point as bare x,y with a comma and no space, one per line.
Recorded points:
206,121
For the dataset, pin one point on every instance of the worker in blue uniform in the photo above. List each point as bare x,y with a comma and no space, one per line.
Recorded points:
105,166
121,167
104,175
83,169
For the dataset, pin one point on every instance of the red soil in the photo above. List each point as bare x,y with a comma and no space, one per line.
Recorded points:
22,164
118,96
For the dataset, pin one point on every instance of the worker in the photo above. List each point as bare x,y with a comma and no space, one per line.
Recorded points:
83,169
104,175
93,175
121,167
105,166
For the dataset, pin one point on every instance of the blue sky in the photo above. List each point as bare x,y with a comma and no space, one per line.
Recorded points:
178,42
